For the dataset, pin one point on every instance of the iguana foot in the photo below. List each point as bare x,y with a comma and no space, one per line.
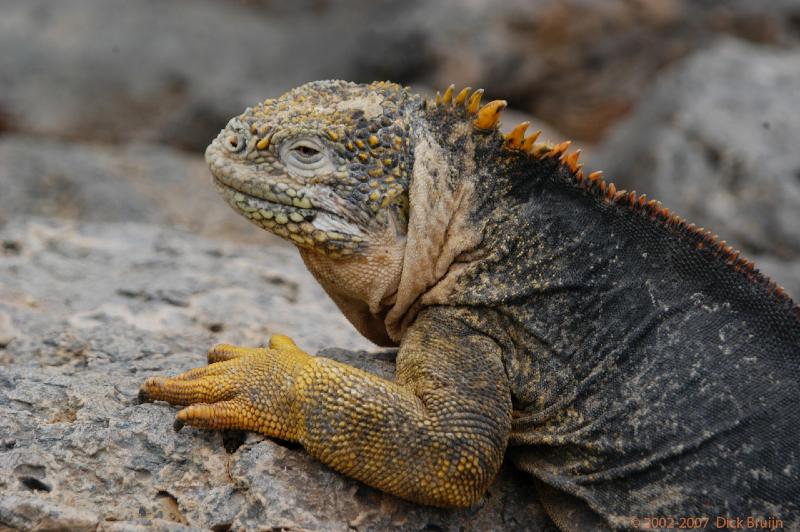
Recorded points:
241,388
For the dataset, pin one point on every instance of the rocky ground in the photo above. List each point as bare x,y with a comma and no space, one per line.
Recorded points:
118,261
97,182
88,311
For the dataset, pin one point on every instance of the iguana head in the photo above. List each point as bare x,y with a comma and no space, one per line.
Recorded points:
335,167
325,165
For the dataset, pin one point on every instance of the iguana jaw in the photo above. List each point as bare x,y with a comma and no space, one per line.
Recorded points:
309,216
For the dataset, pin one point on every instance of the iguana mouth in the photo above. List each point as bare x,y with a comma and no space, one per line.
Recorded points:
235,176
281,209
273,206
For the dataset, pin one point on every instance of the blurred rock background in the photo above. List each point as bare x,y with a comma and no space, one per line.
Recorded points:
105,108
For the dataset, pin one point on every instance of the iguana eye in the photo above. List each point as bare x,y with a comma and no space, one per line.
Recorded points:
305,156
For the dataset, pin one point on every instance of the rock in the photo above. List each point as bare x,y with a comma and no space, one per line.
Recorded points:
716,141
24,512
172,72
96,309
581,64
137,182
7,331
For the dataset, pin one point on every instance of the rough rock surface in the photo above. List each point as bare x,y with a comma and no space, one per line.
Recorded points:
88,311
173,71
717,141
138,182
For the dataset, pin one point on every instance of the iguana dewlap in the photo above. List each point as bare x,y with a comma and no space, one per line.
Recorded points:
633,364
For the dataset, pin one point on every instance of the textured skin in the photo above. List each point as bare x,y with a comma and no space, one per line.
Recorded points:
631,363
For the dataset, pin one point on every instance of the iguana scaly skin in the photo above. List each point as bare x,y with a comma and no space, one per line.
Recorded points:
631,363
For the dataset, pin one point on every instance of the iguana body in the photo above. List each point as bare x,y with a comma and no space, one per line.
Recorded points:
633,365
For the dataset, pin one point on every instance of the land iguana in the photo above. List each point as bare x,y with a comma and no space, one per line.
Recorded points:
629,361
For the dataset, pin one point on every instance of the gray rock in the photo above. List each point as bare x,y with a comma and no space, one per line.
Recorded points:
137,182
581,64
174,72
24,512
93,310
717,141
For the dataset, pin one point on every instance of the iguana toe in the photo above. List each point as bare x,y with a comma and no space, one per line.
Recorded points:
225,352
181,391
281,342
240,388
231,414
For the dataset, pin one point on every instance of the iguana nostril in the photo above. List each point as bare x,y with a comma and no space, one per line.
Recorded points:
234,143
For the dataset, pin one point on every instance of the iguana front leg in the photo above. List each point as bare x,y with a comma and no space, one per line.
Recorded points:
435,436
